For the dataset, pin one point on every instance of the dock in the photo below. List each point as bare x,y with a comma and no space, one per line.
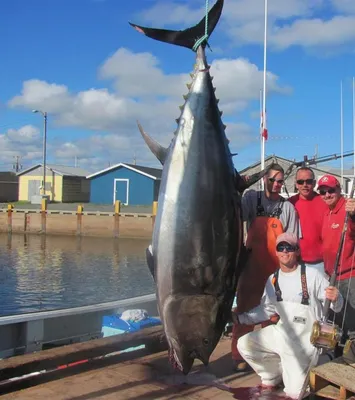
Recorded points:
138,374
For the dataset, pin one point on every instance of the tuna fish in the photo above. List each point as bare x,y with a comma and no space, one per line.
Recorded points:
197,240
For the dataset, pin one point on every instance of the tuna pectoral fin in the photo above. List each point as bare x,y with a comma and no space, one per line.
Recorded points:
188,37
150,260
159,151
245,182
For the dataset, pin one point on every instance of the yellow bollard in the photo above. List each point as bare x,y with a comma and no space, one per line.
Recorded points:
117,218
43,215
155,207
117,207
9,217
79,219
44,205
154,211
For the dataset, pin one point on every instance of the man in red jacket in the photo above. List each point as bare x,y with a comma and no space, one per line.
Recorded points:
311,209
333,223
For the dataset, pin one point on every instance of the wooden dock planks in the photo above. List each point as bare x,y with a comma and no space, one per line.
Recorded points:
49,359
148,377
333,380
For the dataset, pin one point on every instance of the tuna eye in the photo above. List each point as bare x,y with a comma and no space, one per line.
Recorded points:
206,342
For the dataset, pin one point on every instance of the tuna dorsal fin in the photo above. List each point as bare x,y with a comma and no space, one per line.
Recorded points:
159,151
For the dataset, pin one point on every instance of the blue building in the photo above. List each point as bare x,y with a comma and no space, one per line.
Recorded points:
131,184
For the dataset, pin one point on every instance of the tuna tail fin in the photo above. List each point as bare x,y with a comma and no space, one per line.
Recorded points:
188,37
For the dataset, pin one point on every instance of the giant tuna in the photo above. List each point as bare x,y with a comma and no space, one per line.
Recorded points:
197,240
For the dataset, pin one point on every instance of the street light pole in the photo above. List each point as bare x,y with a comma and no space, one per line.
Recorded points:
44,114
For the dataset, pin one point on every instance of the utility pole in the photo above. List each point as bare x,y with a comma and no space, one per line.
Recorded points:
134,159
44,114
17,166
76,161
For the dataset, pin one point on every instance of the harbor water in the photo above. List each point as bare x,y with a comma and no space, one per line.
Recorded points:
42,272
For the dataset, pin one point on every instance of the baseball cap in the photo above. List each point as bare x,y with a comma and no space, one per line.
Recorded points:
328,180
289,238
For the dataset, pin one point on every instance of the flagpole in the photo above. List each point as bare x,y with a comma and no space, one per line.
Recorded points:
261,136
264,127
354,119
341,135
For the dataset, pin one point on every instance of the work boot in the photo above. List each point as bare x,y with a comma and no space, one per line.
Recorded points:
241,366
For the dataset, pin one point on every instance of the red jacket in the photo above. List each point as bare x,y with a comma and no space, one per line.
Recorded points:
311,214
333,224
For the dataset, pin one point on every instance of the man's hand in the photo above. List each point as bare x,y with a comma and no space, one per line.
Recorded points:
331,293
350,206
235,317
275,318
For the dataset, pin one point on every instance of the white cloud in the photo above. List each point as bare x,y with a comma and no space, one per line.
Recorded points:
346,6
135,77
164,13
24,142
291,23
339,30
27,134
141,91
238,81
301,23
39,94
240,134
138,74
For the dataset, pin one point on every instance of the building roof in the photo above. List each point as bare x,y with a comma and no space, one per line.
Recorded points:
58,169
324,169
268,160
153,173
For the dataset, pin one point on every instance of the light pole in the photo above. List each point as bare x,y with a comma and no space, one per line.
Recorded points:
44,148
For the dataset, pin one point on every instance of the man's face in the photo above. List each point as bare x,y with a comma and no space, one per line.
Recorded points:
287,254
273,181
305,183
330,195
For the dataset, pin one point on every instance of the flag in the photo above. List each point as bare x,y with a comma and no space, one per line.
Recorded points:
263,130
264,134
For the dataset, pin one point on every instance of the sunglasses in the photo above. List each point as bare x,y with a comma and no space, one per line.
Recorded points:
303,181
279,181
281,247
322,192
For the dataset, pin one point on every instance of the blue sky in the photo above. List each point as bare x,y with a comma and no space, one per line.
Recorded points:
95,76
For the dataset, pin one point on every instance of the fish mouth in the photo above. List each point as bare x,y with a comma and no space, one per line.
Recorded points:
196,355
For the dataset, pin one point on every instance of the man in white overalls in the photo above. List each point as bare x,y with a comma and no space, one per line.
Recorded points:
283,352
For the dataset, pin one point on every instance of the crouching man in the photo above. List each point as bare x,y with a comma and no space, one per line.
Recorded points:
283,352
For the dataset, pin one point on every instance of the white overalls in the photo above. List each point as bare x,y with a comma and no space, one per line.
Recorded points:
283,352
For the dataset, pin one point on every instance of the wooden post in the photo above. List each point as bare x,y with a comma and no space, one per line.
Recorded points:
9,217
43,215
117,218
79,219
154,211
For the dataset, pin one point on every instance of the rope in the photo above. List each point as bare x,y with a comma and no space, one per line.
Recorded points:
205,36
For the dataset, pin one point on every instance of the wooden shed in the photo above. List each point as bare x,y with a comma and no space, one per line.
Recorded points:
131,184
8,186
64,184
